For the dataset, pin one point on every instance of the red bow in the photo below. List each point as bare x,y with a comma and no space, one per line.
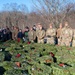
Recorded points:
29,42
52,54
18,55
18,39
61,64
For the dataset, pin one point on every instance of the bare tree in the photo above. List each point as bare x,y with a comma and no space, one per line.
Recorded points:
45,11
14,14
51,9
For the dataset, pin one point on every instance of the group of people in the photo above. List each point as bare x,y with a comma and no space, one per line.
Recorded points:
63,36
13,33
5,34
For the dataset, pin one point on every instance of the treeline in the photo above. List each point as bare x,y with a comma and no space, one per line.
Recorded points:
45,12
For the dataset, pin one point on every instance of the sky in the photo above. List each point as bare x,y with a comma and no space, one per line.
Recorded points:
28,3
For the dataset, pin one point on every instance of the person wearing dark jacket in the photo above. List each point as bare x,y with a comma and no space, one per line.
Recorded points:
0,34
8,32
25,38
4,36
20,35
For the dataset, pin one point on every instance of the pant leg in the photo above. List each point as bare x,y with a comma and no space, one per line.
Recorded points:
73,43
51,40
41,41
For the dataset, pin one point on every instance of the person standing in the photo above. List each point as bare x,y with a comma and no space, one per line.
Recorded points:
59,30
13,32
16,29
37,30
73,40
25,38
0,34
8,32
4,36
51,34
32,35
20,35
40,34
66,35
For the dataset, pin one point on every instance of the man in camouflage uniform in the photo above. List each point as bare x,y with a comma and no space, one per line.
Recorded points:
38,27
40,33
16,29
13,32
66,35
51,34
73,41
59,30
31,35
37,30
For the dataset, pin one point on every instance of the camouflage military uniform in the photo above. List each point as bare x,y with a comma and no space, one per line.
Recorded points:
37,30
73,42
15,33
50,34
66,36
59,30
40,35
31,35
